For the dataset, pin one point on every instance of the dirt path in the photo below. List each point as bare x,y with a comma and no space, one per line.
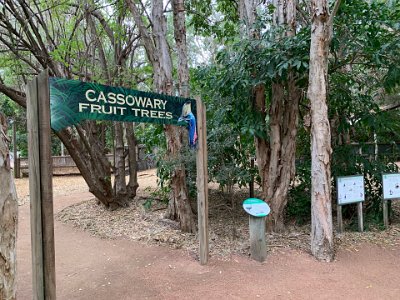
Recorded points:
92,268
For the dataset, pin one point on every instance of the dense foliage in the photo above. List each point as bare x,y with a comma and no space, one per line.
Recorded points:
363,69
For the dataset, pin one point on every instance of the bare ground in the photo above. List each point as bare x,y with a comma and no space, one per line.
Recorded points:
128,254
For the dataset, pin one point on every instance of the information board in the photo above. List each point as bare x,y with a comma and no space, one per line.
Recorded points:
350,189
391,186
256,207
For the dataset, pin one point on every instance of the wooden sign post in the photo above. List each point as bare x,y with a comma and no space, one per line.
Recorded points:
350,189
385,211
202,182
257,210
42,117
258,244
41,188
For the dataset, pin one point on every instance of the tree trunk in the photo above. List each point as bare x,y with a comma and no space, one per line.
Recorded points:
262,145
276,156
157,51
8,219
321,211
179,203
31,26
247,15
179,207
119,168
90,160
275,220
181,46
132,161
284,114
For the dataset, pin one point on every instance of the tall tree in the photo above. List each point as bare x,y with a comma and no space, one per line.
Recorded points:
154,38
74,41
8,219
284,115
248,15
321,207
275,152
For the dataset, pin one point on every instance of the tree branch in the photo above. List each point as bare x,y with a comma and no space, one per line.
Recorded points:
334,11
391,106
15,95
303,15
144,33
104,24
95,37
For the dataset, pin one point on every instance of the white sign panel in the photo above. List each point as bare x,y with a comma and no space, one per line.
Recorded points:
350,189
391,186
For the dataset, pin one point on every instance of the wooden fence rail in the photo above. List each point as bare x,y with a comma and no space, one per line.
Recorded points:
65,165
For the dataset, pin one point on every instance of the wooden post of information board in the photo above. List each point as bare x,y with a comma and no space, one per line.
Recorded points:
202,181
258,245
360,216
41,188
385,209
339,219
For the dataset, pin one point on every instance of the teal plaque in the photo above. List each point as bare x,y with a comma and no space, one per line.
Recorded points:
256,207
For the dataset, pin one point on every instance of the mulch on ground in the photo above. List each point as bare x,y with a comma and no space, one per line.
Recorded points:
229,232
144,221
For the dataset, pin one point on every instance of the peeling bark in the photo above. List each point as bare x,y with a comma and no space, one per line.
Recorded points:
8,220
321,207
120,181
133,180
180,195
276,156
158,52
284,116
247,15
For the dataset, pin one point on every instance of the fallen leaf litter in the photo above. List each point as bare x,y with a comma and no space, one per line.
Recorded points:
228,226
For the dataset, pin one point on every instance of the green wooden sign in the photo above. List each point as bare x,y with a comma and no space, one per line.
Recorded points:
72,101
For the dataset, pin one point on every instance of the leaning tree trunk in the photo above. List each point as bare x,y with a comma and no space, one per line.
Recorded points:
8,220
30,25
321,207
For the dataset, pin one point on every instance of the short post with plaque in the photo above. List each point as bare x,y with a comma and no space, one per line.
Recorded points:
257,210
